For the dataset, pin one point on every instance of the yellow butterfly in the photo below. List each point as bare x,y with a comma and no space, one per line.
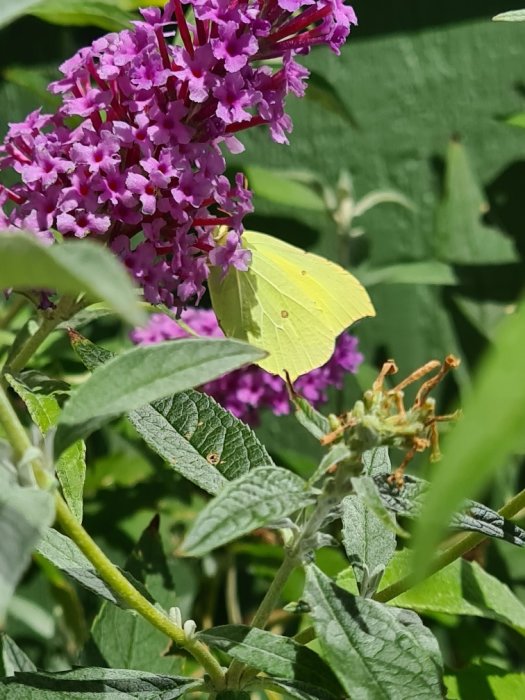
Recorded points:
291,303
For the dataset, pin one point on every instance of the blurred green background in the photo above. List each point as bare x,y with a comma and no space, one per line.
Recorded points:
417,103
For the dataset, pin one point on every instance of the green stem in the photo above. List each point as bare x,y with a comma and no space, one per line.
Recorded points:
129,594
14,430
49,321
20,443
455,551
233,609
264,611
269,601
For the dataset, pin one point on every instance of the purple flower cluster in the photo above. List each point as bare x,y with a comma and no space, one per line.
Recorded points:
246,391
133,154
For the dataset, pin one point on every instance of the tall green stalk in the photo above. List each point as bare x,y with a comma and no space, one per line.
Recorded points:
123,589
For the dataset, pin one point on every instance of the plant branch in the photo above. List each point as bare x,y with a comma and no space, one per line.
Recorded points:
66,307
264,611
129,594
20,443
14,430
232,597
291,559
269,601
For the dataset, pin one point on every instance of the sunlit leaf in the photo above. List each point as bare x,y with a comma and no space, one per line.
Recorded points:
276,186
13,659
273,654
25,513
74,267
375,651
144,374
94,13
512,16
461,588
461,236
481,678
261,497
427,272
40,395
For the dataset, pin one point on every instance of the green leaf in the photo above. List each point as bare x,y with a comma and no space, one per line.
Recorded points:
516,120
9,10
460,235
462,588
71,473
66,556
279,187
336,454
33,616
6,338
366,489
474,517
512,16
323,92
125,639
294,689
490,430
375,651
35,80
316,424
273,654
427,272
13,658
198,438
39,395
93,684
368,543
91,355
485,316
258,498
94,13
25,513
143,374
85,316
482,678
69,268
376,462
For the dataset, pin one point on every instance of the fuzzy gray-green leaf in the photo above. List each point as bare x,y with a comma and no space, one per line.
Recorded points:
258,498
79,267
273,654
196,436
93,684
199,439
24,515
145,374
13,658
375,651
